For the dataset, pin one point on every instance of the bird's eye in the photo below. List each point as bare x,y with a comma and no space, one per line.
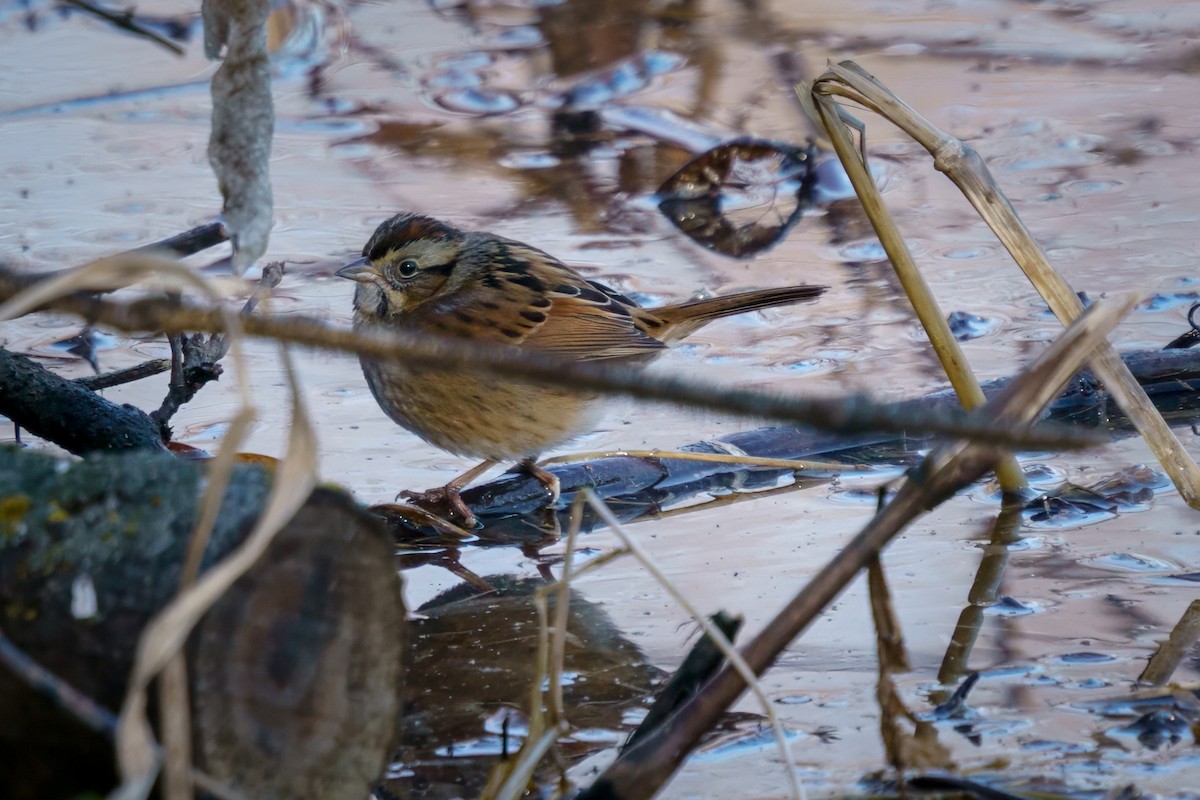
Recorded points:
407,268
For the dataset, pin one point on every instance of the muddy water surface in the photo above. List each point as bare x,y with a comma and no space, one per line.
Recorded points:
1086,114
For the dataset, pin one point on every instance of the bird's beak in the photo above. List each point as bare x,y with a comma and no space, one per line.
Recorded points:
357,270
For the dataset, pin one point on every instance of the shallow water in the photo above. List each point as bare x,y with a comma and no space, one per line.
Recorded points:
1086,115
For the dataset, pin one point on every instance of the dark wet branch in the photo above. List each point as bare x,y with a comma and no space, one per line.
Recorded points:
126,21
66,413
191,242
188,243
155,366
1171,379
966,786
198,362
701,663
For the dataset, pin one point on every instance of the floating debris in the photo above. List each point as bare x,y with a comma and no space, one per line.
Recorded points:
740,198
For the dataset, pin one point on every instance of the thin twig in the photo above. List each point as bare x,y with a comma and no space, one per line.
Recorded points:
188,243
735,660
61,693
841,415
196,359
155,366
126,21
82,707
191,241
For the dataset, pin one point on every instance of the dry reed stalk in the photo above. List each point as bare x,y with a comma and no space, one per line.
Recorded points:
966,169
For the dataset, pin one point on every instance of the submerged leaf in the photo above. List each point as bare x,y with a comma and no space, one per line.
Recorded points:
740,198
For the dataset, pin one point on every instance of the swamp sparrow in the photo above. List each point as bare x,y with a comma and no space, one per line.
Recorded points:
420,274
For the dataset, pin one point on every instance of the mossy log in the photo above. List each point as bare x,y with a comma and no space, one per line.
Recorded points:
295,672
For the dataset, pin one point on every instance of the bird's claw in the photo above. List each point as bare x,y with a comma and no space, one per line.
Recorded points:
445,501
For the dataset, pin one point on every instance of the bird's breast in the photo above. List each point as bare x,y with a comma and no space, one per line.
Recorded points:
482,416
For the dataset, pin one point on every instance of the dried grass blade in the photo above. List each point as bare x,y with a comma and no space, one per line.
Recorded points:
510,780
166,633
735,660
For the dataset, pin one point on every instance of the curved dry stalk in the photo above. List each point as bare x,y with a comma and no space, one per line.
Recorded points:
970,174
558,652
853,414
166,633
136,749
734,659
162,638
925,306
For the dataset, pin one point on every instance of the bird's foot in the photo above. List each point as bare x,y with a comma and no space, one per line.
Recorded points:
402,517
544,477
445,501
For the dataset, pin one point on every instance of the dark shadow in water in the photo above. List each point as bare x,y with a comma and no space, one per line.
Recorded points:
471,669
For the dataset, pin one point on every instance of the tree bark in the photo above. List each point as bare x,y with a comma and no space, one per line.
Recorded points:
68,414
295,672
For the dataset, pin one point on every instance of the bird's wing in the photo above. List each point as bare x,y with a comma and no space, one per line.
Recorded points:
530,299
588,321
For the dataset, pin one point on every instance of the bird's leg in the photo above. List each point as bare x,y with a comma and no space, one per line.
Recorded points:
449,496
542,476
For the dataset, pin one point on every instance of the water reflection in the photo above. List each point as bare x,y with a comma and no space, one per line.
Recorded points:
472,666
1110,586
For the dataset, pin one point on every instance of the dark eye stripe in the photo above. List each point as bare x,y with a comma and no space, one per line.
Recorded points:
438,269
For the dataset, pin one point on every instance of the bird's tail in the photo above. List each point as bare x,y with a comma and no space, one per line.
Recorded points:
674,322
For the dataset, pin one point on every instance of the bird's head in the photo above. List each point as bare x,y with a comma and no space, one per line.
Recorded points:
405,262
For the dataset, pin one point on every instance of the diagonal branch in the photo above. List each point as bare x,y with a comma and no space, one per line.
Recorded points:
640,771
